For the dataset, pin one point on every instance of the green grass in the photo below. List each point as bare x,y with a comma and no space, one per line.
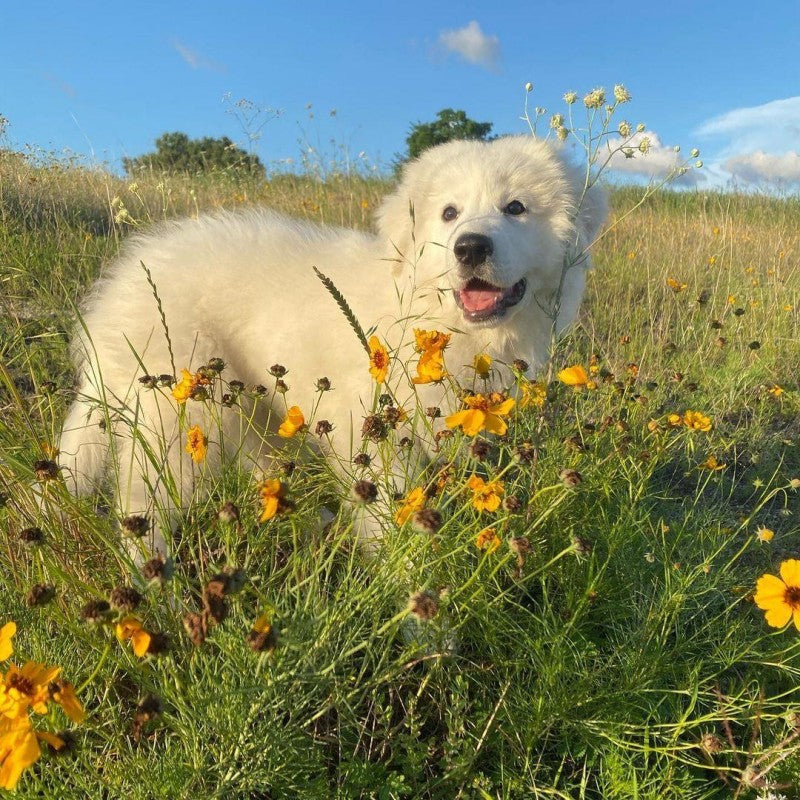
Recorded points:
590,668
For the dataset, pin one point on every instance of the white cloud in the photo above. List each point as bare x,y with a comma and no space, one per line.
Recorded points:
196,60
473,45
658,162
761,167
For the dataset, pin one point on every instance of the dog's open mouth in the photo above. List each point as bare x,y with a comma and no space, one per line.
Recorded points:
482,301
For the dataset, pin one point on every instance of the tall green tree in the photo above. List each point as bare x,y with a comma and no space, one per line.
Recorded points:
448,125
176,152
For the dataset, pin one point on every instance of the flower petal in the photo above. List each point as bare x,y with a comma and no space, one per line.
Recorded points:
769,590
778,615
790,572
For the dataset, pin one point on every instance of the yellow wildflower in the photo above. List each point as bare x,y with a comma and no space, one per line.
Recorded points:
413,501
430,368
19,749
776,390
294,422
6,634
573,376
485,496
378,360
712,464
130,629
533,394
675,421
780,597
272,503
64,695
487,540
676,286
430,340
483,365
482,413
196,444
189,383
696,421
764,534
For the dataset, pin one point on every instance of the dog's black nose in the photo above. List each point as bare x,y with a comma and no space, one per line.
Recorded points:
472,249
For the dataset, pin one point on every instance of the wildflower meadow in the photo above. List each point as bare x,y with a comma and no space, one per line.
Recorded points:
593,590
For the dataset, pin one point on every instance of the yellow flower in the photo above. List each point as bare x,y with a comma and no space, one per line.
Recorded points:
731,299
378,360
6,634
130,629
780,597
26,687
696,421
263,624
272,493
482,364
715,231
65,696
430,368
487,540
485,496
533,394
676,286
188,384
482,413
712,260
675,421
430,340
294,422
413,501
712,464
776,390
196,443
765,534
573,376
19,749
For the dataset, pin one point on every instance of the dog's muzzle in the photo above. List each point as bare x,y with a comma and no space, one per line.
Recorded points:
481,301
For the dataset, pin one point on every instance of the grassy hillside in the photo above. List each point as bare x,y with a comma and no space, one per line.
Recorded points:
608,648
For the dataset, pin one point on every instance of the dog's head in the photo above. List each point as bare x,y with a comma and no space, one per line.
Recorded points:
495,222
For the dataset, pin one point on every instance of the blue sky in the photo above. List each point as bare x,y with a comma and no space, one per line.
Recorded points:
103,80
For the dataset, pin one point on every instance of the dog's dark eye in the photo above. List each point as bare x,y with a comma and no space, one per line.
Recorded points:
515,208
449,214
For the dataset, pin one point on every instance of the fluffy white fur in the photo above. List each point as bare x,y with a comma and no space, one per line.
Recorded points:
240,286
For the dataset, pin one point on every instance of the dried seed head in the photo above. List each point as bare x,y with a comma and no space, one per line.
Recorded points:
263,641
149,381
287,468
385,400
362,460
570,478
218,585
228,513
95,611
480,449
364,491
323,384
424,605
323,428
393,416
434,412
520,365
159,643
524,452
196,627
135,526
426,520
374,428
581,546
519,545
281,387
40,594
236,387
124,598
512,504
277,370
45,470
31,535
711,743
156,569
216,365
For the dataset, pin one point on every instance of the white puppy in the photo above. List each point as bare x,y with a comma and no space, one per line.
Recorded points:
472,241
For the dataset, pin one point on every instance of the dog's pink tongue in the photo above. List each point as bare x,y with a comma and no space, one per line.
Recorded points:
479,299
